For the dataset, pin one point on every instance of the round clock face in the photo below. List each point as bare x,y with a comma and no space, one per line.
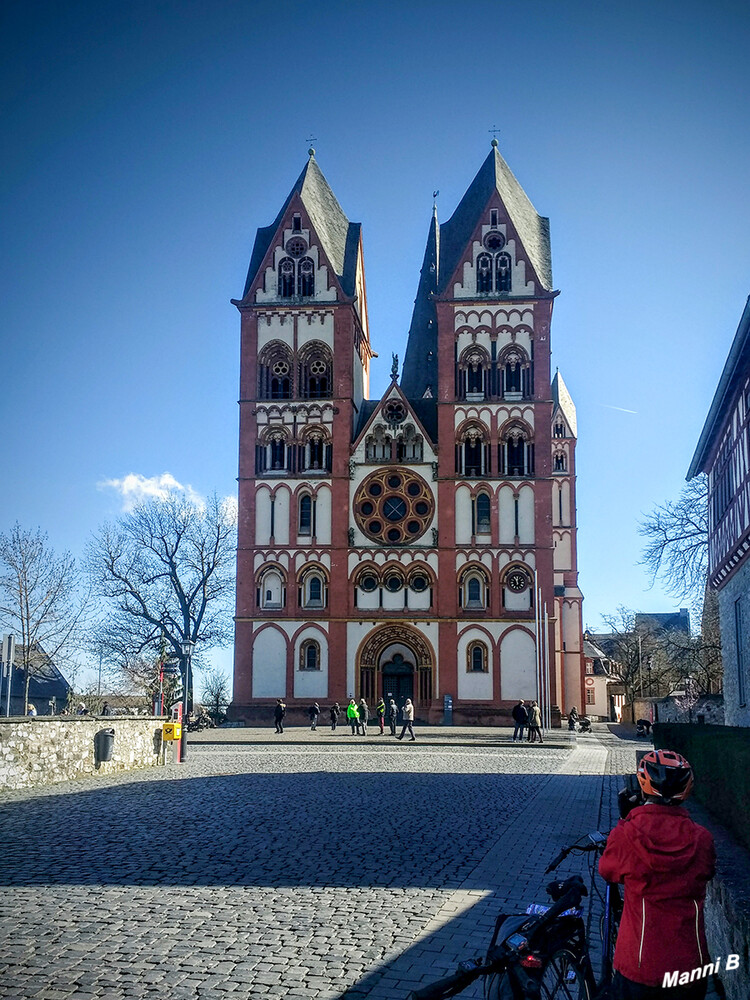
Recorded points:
395,508
517,581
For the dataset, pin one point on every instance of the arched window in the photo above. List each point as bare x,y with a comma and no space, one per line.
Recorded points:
309,655
275,372
559,430
286,278
315,372
484,273
516,373
482,515
472,457
474,592
315,452
312,591
559,462
516,452
502,272
409,445
277,453
378,445
306,511
305,277
270,592
476,658
473,374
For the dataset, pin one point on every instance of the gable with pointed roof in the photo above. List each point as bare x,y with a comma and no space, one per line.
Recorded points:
339,238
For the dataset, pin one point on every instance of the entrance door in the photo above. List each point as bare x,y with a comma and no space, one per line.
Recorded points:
398,680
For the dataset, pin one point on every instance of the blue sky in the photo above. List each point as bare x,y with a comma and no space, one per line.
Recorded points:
145,142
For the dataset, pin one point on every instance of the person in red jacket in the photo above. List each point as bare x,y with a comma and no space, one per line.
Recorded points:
664,860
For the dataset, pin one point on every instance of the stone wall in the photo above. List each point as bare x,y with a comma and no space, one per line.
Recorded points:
46,749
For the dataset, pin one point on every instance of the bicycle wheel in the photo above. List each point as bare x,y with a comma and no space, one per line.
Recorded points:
563,978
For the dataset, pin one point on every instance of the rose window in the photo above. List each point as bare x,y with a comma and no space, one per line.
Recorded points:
394,507
494,241
280,368
296,246
318,368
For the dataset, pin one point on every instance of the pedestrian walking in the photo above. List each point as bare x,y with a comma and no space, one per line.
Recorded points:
407,714
380,712
392,716
535,722
278,715
313,712
521,719
352,714
364,715
334,715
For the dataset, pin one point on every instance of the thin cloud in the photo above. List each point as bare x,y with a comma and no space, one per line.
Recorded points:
135,488
620,408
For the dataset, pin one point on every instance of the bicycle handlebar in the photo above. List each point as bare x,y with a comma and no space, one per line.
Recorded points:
571,898
448,986
594,845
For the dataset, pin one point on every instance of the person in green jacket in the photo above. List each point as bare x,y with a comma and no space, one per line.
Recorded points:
352,714
380,710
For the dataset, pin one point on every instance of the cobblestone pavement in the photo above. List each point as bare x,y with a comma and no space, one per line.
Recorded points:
287,869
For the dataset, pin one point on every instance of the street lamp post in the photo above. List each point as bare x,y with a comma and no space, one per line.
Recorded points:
187,651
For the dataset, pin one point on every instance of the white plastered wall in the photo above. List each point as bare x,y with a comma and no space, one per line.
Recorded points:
311,683
475,686
517,666
269,664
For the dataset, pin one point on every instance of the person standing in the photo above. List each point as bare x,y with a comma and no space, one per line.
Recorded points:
364,715
380,711
334,715
352,714
313,712
392,715
535,722
521,719
407,714
278,715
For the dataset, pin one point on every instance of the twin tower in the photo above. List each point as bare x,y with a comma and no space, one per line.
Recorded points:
420,545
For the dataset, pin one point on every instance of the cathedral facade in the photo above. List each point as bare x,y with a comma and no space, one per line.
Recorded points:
423,544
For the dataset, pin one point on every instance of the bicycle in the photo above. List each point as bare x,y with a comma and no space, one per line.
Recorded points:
543,954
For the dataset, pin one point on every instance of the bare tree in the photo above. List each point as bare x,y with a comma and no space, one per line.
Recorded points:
41,600
676,536
677,551
167,572
216,694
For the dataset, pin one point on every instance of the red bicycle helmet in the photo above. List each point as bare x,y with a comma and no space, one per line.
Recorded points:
666,775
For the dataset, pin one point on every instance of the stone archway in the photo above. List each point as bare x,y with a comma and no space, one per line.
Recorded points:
402,654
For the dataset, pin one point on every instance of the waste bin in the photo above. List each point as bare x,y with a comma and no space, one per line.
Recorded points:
104,745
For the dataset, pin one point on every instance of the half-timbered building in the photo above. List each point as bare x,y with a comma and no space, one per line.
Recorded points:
723,454
422,544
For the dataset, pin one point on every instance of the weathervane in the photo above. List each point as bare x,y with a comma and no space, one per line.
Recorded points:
495,133
434,198
311,140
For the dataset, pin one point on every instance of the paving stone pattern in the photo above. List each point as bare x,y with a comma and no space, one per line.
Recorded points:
288,870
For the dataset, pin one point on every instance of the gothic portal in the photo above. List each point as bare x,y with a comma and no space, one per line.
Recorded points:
422,544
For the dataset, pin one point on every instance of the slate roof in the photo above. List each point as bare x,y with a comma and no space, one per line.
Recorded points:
339,237
446,246
670,621
734,373
533,230
561,397
420,362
